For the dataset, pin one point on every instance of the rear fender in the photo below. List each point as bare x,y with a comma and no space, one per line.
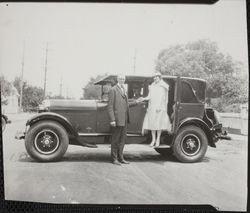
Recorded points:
201,124
54,117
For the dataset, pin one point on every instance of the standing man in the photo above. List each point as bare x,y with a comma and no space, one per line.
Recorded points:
118,111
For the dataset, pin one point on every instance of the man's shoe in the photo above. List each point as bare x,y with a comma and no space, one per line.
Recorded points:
116,162
124,161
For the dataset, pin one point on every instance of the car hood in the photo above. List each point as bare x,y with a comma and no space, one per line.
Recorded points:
72,105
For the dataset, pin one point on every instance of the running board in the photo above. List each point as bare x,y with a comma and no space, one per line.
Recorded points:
87,134
162,147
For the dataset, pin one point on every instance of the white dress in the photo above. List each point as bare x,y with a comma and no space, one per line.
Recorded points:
156,117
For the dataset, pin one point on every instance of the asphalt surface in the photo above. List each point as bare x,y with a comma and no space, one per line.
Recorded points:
86,176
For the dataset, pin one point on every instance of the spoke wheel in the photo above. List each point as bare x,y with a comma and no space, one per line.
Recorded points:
46,141
190,144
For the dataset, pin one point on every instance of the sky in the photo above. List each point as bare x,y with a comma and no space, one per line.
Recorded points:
90,39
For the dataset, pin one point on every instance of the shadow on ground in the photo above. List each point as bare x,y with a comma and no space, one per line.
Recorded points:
104,157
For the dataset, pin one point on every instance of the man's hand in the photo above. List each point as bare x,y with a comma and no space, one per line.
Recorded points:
139,100
113,124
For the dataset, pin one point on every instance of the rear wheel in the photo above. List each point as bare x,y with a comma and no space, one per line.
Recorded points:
3,124
46,141
190,144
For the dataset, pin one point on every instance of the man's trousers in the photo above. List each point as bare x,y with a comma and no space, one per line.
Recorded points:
118,139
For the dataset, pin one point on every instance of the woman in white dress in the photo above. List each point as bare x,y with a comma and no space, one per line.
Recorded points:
156,118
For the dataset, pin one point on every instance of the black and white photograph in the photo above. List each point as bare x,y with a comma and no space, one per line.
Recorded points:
125,103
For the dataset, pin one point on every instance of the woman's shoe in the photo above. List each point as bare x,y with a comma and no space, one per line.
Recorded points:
156,145
152,144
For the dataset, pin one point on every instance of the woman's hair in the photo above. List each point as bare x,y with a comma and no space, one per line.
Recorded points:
157,74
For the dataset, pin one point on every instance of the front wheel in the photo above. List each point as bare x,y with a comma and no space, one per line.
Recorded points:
190,144
46,141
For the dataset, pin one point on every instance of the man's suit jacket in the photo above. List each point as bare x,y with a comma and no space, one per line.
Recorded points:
118,106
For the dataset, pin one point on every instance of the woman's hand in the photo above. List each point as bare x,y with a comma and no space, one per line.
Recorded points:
139,100
113,124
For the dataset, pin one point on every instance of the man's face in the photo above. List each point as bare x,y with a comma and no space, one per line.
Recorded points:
121,79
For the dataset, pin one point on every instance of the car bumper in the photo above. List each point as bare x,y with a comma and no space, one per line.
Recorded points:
20,135
218,134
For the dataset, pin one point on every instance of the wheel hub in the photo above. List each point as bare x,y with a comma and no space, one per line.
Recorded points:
190,145
46,141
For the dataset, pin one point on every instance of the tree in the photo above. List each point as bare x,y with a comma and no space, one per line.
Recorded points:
32,95
203,59
92,91
5,90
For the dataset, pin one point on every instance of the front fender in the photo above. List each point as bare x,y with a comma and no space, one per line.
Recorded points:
200,123
54,117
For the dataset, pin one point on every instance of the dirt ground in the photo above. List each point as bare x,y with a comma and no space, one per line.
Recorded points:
86,175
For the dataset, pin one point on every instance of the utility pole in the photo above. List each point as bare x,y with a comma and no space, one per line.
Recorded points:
67,93
134,68
61,87
45,70
21,80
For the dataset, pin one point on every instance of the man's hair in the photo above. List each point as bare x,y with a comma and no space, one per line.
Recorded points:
117,76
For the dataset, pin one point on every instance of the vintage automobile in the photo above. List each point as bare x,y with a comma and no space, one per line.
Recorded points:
86,123
5,121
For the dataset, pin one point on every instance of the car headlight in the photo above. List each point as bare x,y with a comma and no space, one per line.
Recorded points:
45,105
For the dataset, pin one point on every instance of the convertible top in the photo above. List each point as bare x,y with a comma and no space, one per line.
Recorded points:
138,78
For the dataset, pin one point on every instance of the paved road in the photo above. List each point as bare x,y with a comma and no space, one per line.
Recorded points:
86,175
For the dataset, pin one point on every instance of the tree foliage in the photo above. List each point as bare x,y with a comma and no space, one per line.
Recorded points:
92,91
56,97
5,90
32,95
203,59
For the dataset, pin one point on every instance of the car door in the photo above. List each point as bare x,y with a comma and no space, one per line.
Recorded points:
176,105
187,104
137,114
137,89
103,123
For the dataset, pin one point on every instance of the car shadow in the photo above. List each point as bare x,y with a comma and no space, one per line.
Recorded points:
105,158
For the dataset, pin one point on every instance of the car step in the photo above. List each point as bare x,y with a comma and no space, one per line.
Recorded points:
162,147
